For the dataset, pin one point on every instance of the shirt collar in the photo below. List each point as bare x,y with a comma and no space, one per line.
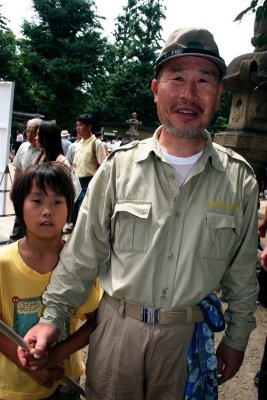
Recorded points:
88,140
152,145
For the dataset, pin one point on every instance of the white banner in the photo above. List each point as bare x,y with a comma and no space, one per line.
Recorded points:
6,108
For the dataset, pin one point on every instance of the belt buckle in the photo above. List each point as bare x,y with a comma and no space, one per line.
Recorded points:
150,315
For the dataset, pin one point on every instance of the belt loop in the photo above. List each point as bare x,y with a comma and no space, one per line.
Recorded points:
189,315
121,310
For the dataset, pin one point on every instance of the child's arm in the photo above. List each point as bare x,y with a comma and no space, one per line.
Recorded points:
64,349
45,377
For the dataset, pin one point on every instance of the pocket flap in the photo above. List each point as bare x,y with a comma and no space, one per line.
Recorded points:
140,210
217,221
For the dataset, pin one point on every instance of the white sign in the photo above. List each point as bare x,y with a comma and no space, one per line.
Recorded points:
6,108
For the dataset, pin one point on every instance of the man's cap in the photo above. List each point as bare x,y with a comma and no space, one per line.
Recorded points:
191,42
64,133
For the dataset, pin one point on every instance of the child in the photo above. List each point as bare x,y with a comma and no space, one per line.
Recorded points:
43,198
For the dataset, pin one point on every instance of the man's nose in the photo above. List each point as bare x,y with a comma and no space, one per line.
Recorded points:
190,90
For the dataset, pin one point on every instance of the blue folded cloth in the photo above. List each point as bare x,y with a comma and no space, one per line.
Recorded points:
202,361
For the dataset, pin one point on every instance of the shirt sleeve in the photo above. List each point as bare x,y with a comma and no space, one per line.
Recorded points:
16,161
100,151
92,303
239,283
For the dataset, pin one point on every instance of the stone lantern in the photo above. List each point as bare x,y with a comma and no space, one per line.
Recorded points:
133,126
246,78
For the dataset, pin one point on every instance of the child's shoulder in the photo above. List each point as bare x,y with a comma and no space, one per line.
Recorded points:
8,250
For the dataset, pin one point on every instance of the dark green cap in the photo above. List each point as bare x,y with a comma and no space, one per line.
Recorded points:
191,42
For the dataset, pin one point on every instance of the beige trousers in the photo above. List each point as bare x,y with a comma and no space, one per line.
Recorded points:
132,360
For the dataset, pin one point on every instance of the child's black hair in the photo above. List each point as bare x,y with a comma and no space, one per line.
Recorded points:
53,174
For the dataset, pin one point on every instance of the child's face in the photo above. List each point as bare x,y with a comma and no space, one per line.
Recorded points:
44,214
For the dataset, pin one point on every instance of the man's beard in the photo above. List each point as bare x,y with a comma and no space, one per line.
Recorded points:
184,133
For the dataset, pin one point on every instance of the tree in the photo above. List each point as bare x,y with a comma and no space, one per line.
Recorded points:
63,51
7,53
3,21
259,7
221,118
128,75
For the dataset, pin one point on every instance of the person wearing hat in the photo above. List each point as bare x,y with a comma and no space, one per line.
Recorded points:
65,141
167,221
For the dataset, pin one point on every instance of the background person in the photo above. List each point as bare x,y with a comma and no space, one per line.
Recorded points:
25,156
49,140
261,376
134,231
19,140
89,155
65,141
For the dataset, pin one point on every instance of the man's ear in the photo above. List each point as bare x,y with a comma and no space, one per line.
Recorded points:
154,87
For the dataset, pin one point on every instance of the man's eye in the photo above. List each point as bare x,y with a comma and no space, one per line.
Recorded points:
203,80
178,78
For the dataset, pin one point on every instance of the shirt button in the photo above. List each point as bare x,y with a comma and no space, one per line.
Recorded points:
172,176
170,256
164,292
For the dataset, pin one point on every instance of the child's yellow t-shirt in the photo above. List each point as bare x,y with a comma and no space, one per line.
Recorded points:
21,306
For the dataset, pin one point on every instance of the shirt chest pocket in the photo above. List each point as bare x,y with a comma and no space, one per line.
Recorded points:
130,227
220,235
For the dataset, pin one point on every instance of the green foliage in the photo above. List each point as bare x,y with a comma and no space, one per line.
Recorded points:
220,120
7,53
259,7
3,21
63,52
130,67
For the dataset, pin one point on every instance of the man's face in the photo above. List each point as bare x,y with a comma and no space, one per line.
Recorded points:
187,93
83,130
31,131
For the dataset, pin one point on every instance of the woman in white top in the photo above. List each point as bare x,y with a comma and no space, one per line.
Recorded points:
49,139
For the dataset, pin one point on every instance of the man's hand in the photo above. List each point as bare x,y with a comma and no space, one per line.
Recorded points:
39,337
229,362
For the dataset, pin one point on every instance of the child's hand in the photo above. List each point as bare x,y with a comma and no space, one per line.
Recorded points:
50,359
46,376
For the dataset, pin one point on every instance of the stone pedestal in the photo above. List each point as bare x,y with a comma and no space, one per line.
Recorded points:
246,77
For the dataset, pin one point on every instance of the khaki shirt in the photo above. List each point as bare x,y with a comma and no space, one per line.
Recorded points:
153,243
85,161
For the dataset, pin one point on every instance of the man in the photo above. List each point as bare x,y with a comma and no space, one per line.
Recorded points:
166,221
71,149
89,155
25,156
261,376
65,141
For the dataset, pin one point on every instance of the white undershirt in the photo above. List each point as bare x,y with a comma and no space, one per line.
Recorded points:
182,165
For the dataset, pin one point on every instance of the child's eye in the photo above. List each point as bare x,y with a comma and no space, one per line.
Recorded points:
36,201
59,202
